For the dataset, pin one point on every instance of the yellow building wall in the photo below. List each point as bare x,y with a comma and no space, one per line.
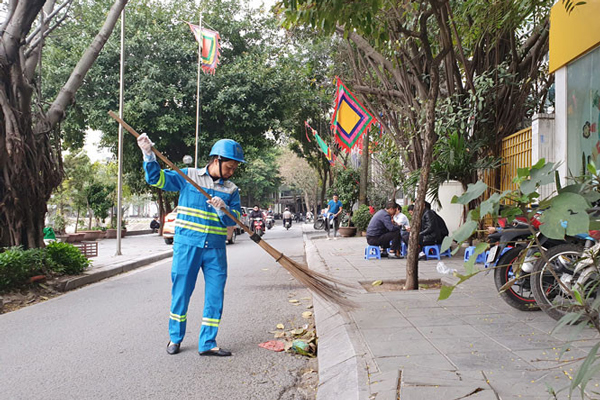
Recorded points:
574,30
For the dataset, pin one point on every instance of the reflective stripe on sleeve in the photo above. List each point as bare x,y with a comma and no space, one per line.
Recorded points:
161,180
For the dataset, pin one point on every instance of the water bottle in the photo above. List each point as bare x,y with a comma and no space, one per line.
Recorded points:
444,269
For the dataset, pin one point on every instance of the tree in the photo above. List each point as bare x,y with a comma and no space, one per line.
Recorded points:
247,99
297,173
260,180
405,55
30,154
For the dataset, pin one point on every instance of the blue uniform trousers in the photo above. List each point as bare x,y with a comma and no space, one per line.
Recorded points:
187,262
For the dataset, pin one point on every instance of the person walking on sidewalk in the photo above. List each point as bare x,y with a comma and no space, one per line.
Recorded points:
334,208
381,230
200,235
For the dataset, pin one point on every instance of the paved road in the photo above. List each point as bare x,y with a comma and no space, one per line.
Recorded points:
107,340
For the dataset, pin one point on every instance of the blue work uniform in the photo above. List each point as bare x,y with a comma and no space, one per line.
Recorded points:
199,243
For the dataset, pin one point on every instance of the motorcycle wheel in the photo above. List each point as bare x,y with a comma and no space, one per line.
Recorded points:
319,224
550,296
519,295
260,232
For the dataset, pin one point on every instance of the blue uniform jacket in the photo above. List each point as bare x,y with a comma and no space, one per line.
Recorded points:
198,223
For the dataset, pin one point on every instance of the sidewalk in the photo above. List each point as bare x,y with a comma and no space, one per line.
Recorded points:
407,345
136,251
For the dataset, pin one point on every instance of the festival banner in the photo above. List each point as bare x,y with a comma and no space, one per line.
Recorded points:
350,118
210,47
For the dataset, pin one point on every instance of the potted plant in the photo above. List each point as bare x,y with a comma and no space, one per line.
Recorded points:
361,218
345,229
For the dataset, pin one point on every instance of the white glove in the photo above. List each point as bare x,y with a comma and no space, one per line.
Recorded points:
146,144
217,203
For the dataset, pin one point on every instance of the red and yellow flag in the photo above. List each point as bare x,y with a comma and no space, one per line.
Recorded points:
210,45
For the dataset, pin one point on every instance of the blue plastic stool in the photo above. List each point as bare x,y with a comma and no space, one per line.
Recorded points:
403,249
447,253
372,252
469,252
432,249
481,258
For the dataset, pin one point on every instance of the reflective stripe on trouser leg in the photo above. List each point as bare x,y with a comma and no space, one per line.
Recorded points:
214,267
184,272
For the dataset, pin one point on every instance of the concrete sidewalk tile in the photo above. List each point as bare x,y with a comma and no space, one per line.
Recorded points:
528,341
452,345
379,318
550,358
427,321
490,318
390,335
488,360
445,392
336,348
458,330
423,361
410,347
384,385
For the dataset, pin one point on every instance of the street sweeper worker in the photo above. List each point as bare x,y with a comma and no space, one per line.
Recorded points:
200,235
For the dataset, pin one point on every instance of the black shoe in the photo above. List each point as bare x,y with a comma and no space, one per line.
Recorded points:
173,348
384,254
219,352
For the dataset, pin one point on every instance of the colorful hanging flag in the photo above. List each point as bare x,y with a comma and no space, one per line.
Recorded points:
350,118
210,45
322,145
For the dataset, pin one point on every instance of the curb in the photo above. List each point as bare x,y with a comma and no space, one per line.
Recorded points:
109,271
342,361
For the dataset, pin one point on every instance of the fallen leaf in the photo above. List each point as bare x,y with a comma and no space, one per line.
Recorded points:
280,326
279,334
298,331
376,283
305,298
309,307
294,301
265,269
307,314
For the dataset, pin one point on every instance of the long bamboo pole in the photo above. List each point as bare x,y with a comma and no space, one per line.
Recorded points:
324,286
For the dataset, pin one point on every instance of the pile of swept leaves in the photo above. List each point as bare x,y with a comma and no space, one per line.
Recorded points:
301,341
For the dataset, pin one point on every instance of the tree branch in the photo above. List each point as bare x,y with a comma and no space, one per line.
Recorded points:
67,93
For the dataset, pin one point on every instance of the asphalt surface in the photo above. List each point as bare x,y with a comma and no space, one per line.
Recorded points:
107,340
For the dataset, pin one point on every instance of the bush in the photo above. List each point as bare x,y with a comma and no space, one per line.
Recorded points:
18,265
67,258
361,218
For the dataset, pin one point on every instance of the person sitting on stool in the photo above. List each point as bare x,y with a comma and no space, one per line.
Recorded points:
381,230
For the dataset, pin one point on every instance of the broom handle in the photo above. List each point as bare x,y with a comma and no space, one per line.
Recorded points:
180,172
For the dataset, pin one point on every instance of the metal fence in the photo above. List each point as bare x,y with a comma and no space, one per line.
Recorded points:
516,153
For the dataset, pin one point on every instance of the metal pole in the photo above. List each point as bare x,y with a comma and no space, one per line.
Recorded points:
198,93
120,151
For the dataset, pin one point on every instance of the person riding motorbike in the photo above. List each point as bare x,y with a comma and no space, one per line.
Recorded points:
255,213
287,216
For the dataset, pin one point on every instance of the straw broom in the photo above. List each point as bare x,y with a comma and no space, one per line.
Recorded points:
322,285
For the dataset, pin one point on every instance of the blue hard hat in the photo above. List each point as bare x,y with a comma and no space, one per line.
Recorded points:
229,149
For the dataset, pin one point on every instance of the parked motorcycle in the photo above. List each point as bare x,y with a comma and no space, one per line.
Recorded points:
258,226
573,265
319,222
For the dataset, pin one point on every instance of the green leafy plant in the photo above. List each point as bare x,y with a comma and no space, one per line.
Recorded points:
345,186
567,212
18,265
67,258
361,218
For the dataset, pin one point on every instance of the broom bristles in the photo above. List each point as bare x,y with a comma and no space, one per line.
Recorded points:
326,287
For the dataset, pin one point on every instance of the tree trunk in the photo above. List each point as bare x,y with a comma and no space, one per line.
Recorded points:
412,262
364,171
30,158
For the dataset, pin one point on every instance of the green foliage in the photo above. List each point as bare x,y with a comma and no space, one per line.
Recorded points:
259,179
345,186
18,265
67,258
99,197
362,217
